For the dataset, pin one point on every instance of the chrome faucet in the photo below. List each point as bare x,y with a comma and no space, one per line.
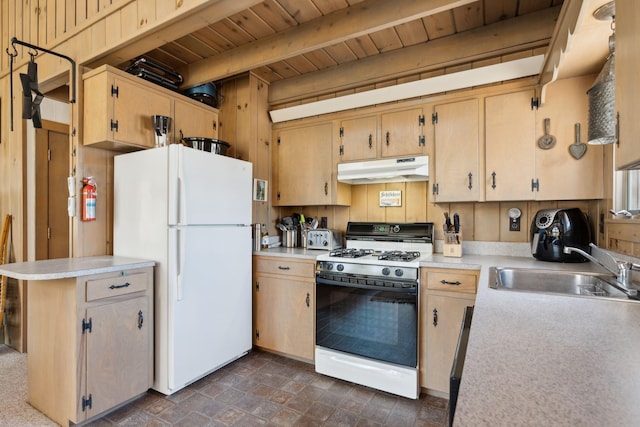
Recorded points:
620,269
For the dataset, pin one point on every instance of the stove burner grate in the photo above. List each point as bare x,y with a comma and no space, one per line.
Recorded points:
350,253
399,255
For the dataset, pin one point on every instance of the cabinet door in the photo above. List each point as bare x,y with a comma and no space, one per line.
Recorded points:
442,320
117,358
627,151
456,152
304,166
133,107
560,175
194,121
402,133
509,142
359,138
283,315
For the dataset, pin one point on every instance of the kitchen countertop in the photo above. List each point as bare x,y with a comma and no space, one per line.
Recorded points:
290,252
552,360
62,268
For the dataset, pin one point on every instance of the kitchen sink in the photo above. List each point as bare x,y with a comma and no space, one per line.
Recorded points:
556,282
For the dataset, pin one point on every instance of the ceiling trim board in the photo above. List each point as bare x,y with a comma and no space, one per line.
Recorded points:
524,67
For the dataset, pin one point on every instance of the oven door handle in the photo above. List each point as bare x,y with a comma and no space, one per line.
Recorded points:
412,290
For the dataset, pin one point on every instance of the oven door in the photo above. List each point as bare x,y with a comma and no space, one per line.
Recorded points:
380,323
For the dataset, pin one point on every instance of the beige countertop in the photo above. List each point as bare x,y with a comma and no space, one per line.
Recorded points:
281,251
62,268
552,360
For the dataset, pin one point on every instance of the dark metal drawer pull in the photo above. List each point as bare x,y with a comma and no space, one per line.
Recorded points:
283,268
456,283
140,319
120,286
435,317
308,300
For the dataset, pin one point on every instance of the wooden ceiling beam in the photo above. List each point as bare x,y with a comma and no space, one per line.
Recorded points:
354,21
512,35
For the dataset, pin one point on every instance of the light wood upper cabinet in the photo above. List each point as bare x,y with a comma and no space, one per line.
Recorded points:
509,146
118,110
283,305
304,169
402,133
194,120
560,175
457,131
627,151
359,138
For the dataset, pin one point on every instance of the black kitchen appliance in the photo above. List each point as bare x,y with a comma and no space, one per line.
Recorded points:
553,229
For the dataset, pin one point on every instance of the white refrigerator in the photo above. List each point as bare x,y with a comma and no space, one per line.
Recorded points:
190,211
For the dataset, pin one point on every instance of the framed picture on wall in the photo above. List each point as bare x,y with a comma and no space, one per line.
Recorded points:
260,190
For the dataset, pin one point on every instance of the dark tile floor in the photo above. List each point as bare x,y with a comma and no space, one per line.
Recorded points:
262,389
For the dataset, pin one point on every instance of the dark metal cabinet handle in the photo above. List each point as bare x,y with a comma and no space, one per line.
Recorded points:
283,268
370,141
388,135
326,188
308,300
140,319
124,285
470,181
493,180
435,317
456,283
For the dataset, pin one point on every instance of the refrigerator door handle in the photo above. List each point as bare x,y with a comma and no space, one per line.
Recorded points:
176,261
180,249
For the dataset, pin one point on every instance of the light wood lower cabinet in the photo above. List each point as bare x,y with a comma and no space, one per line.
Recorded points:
284,305
445,293
90,343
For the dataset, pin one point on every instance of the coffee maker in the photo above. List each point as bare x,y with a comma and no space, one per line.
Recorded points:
553,229
161,126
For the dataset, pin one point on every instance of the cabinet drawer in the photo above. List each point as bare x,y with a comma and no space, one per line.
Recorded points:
114,286
452,280
285,267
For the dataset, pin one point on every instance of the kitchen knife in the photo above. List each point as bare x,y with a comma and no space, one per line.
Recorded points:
447,221
456,223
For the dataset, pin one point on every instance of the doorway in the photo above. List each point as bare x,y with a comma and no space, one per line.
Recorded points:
52,169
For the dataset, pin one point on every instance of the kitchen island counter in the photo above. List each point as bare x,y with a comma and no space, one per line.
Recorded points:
62,268
538,359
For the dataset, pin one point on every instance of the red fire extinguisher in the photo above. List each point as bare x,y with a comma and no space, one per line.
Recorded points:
89,194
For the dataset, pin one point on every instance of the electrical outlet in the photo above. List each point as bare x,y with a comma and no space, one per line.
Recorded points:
514,224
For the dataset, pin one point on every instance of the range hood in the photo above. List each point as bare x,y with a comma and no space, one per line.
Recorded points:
388,170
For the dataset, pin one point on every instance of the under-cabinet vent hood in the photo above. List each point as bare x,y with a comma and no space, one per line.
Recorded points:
387,170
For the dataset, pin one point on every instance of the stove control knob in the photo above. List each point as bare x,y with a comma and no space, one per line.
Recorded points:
340,267
399,272
386,271
396,228
325,243
329,266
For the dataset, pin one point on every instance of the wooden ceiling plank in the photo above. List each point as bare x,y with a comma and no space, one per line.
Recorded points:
320,59
329,6
302,64
528,6
274,15
283,69
412,33
195,45
341,25
469,16
439,25
181,52
499,10
386,40
252,24
506,36
362,47
341,53
232,32
265,73
301,10
212,39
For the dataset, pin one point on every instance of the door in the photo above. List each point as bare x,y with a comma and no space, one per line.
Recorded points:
457,152
209,188
359,138
117,353
52,166
192,120
401,133
209,299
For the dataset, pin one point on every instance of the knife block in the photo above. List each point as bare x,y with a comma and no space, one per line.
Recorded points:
452,244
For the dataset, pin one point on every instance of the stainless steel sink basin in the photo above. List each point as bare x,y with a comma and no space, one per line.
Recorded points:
555,282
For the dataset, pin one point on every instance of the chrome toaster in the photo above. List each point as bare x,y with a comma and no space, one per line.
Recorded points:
325,239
